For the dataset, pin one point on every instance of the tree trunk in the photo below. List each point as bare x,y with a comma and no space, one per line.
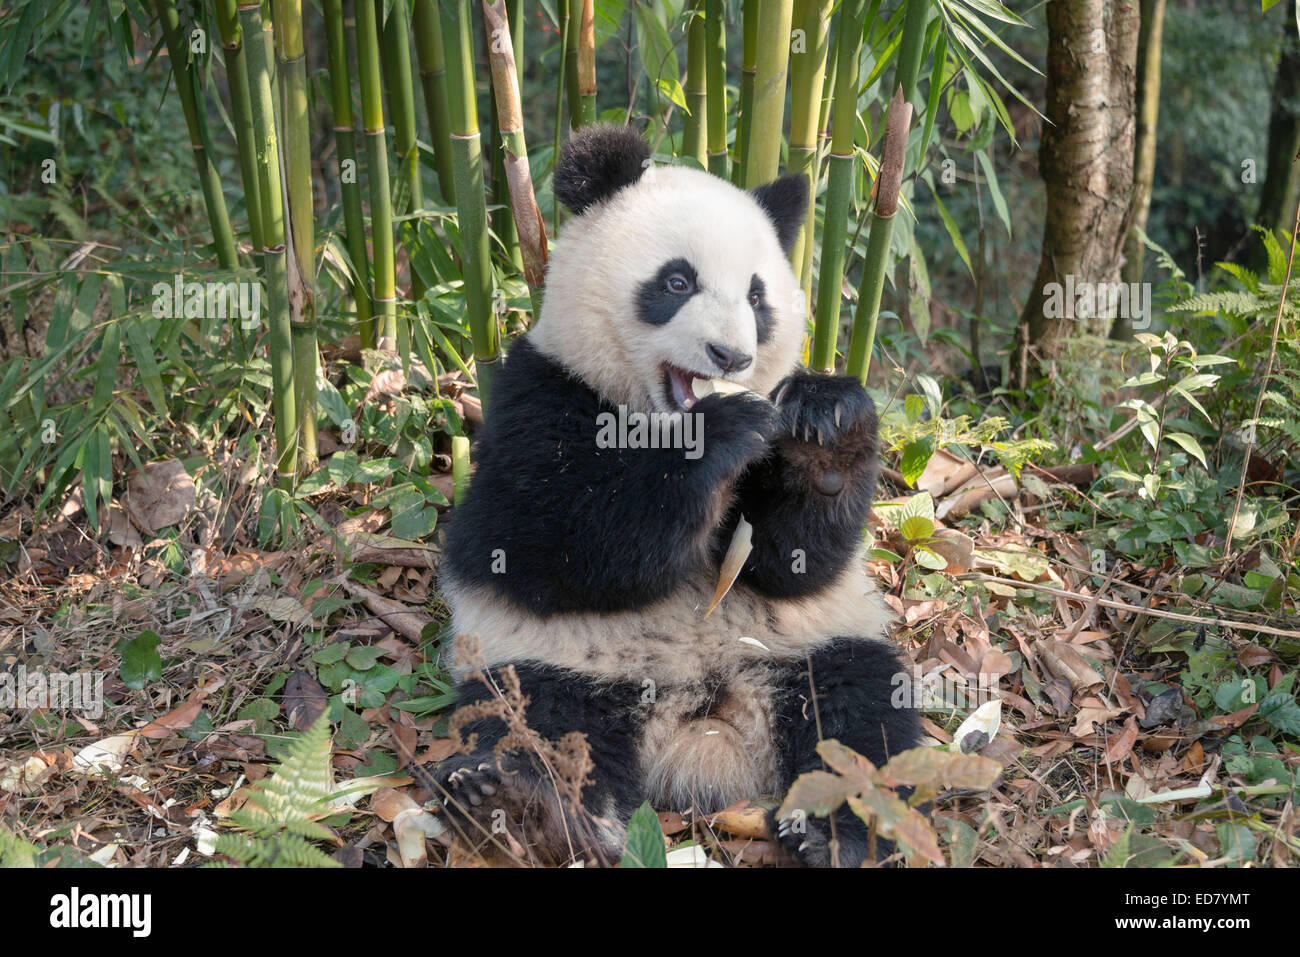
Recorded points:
1277,199
1144,152
1086,160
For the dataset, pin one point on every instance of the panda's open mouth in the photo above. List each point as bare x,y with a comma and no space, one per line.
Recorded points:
680,386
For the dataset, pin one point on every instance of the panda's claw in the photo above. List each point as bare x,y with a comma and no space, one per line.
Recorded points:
824,408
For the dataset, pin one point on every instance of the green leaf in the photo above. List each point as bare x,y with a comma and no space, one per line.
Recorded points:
645,840
1282,712
916,455
363,658
949,224
141,661
1189,444
995,191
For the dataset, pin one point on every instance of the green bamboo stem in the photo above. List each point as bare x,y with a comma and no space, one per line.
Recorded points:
839,184
232,47
275,251
748,70
893,156
292,62
807,76
459,468
187,86
562,6
715,43
384,297
694,142
510,121
893,153
345,139
476,268
573,93
433,78
401,98
585,74
763,149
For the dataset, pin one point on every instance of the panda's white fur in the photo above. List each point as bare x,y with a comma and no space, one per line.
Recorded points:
589,326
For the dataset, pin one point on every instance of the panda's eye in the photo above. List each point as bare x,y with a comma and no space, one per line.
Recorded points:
755,299
677,283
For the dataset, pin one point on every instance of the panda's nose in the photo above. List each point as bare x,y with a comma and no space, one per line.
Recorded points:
728,360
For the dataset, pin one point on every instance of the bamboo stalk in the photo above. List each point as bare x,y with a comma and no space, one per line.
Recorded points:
763,149
384,297
523,201
893,157
586,64
292,56
807,76
275,267
345,139
893,153
502,218
748,70
476,268
562,7
573,92
401,98
715,43
433,78
694,143
232,47
839,185
187,87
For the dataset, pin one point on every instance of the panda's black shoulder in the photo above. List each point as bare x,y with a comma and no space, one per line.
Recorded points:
537,416
533,390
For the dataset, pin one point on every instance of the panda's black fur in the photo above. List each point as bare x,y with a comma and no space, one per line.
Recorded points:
626,543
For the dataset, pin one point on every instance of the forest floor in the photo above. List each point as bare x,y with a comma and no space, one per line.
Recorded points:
211,659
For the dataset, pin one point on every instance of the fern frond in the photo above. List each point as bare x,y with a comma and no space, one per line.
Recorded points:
280,817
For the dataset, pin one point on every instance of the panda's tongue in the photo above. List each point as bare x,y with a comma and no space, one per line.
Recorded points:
681,382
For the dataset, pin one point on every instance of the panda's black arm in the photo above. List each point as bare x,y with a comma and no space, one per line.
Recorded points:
555,523
809,500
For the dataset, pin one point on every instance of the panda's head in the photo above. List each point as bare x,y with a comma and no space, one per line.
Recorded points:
667,274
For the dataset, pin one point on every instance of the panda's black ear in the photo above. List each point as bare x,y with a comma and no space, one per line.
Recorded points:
786,203
596,163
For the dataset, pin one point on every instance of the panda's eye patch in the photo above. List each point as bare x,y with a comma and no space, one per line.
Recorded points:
660,297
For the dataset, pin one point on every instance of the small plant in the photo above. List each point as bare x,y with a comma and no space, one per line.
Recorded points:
280,818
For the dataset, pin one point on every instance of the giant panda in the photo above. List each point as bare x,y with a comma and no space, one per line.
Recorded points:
589,568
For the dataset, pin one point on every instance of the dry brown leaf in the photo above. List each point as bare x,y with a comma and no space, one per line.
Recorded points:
744,820
1121,746
407,622
1066,661
160,496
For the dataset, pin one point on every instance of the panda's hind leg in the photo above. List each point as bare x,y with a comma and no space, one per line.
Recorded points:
854,680
504,796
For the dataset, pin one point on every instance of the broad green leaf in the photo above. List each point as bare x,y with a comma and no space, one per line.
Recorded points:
645,840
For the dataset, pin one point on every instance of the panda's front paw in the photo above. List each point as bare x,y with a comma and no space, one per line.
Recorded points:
737,427
824,409
827,432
